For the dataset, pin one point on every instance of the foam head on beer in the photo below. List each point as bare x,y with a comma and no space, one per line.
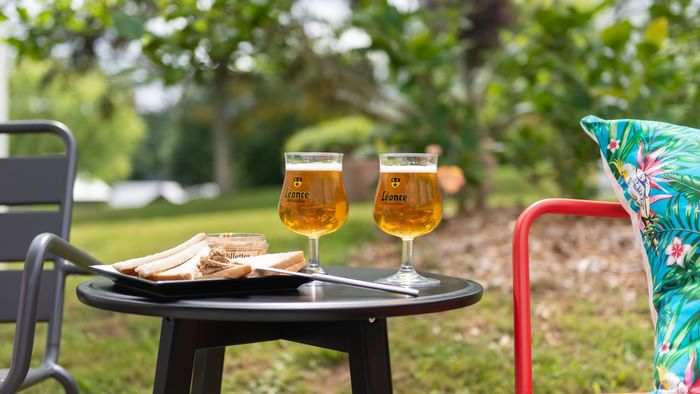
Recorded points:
430,168
314,167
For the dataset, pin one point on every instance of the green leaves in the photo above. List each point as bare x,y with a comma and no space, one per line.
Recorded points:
631,71
338,135
629,140
127,26
617,35
558,65
687,185
656,31
426,52
100,114
654,36
23,14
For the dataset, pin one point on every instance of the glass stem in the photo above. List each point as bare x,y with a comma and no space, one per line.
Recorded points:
407,255
313,263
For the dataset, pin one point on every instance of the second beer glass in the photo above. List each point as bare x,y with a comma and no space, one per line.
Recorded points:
313,201
407,205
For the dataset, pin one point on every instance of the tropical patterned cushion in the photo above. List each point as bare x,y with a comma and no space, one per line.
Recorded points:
655,171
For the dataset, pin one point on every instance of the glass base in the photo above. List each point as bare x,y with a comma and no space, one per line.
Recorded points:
409,279
312,292
310,269
315,283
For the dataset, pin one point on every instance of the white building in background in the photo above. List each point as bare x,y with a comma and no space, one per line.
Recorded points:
135,194
91,190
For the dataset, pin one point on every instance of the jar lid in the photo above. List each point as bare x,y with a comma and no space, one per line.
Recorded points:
238,240
235,235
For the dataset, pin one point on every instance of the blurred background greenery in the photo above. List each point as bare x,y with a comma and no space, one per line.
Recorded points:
215,90
492,82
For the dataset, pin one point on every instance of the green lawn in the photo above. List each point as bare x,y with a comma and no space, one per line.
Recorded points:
463,351
116,235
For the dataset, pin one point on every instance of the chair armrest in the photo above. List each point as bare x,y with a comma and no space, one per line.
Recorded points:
40,246
70,268
521,272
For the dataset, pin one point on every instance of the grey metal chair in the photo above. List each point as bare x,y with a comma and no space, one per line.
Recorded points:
35,294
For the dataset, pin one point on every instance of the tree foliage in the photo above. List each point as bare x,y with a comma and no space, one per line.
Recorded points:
563,62
465,75
210,50
347,135
106,133
208,44
422,61
438,61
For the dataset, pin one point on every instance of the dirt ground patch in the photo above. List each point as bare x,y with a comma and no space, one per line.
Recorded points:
571,257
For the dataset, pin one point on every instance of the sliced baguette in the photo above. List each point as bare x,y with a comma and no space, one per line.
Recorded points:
128,267
234,272
149,269
187,270
292,261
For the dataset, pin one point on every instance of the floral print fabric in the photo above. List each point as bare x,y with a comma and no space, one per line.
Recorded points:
656,171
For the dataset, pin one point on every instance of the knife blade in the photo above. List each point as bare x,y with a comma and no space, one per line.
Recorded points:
345,281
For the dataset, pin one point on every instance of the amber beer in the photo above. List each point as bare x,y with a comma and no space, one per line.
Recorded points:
407,203
313,201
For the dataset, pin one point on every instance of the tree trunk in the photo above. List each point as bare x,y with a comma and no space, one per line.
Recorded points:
222,139
490,165
488,18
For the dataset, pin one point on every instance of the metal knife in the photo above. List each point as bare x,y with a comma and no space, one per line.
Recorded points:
345,281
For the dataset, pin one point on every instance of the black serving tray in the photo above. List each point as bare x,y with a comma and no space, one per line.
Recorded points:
201,287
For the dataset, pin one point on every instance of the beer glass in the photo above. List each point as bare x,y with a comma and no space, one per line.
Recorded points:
313,201
407,205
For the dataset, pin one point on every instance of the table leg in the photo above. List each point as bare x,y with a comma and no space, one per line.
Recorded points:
368,350
208,370
175,356
365,342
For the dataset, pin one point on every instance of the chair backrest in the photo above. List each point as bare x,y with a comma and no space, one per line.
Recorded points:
38,191
521,272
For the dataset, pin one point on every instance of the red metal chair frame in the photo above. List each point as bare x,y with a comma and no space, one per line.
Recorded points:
521,272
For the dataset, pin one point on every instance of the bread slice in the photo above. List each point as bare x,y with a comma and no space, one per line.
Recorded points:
234,272
149,269
187,270
295,268
128,267
292,261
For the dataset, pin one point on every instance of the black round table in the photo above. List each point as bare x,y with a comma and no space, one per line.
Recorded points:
195,331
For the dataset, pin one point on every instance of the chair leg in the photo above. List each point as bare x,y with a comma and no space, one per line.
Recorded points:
65,378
